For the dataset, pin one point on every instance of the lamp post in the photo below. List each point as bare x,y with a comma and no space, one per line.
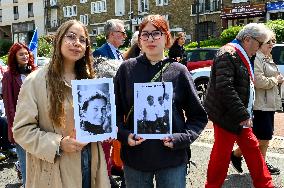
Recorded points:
130,14
197,24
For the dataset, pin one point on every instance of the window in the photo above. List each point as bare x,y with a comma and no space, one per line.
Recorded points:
70,11
15,1
104,6
207,30
162,2
94,31
143,6
53,2
30,10
65,12
119,7
93,7
83,1
74,10
84,19
16,12
98,7
0,15
101,30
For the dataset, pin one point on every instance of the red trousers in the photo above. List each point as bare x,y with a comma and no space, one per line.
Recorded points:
221,153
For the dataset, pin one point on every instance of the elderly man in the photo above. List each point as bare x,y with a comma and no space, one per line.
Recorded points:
115,36
229,105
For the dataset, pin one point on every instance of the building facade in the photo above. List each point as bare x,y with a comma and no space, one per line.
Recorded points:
19,18
181,14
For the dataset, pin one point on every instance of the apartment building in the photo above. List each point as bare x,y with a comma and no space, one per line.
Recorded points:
18,19
181,14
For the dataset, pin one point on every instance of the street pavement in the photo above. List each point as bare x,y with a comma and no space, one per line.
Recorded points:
201,150
200,156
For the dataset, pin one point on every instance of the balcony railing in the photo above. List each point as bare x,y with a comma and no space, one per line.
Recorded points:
206,7
52,25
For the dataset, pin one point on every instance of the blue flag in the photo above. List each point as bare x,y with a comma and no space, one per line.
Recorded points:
33,46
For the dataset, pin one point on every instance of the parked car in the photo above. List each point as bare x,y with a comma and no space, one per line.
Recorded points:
201,75
200,57
41,61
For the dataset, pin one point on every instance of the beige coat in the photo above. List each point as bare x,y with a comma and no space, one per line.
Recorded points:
267,96
34,131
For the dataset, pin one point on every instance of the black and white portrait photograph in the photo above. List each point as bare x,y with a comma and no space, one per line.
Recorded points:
153,109
94,109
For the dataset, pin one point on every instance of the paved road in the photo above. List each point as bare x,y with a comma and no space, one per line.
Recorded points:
200,155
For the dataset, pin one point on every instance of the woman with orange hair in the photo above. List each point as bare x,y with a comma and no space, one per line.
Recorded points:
44,121
165,159
20,64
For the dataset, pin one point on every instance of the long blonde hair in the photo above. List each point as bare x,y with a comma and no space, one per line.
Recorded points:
56,85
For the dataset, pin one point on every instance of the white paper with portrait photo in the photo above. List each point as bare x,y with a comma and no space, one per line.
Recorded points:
153,109
94,109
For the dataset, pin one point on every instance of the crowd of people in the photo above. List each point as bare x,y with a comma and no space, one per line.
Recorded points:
241,101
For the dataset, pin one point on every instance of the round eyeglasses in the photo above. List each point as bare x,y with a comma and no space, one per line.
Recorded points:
72,38
156,35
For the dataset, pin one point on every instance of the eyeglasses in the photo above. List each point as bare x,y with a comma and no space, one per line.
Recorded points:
272,41
156,35
122,32
72,38
259,43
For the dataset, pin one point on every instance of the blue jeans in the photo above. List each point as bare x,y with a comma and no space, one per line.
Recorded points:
165,178
21,153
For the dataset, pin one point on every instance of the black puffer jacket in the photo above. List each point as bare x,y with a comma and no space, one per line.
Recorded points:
228,93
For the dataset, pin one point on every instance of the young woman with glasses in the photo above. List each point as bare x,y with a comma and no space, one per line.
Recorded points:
44,121
165,159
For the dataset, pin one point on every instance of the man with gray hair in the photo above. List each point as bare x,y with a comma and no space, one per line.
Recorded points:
229,101
115,36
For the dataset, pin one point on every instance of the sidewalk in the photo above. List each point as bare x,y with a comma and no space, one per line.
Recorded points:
277,142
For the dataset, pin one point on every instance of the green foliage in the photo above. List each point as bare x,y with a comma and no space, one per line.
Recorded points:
5,45
230,34
5,58
278,27
206,43
45,46
127,39
100,39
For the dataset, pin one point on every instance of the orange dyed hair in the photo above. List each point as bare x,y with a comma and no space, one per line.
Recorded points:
12,58
161,24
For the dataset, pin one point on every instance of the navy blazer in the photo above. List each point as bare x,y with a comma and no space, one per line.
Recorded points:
104,51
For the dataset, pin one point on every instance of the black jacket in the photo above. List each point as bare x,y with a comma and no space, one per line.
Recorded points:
227,97
152,154
177,51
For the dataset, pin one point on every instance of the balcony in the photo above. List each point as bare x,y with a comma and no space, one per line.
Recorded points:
213,6
52,25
